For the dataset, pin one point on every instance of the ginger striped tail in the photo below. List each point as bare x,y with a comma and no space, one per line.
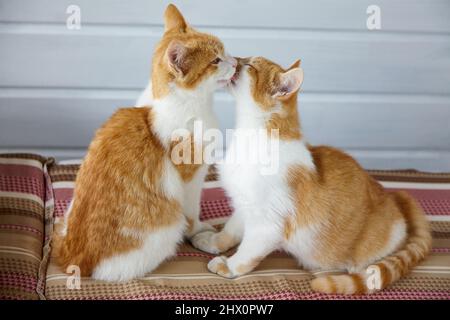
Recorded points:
392,267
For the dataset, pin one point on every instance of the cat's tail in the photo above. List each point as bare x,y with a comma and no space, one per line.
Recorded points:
391,268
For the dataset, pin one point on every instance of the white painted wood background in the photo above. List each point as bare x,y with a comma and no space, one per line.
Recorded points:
382,95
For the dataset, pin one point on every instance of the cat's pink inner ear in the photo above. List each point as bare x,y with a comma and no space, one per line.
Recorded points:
176,56
290,83
173,19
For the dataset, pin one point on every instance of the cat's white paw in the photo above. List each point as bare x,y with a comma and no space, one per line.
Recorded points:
198,226
204,242
218,265
204,226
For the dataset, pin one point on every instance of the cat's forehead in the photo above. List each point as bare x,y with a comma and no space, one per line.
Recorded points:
204,41
266,75
264,64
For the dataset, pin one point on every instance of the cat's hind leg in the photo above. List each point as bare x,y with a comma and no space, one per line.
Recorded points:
156,247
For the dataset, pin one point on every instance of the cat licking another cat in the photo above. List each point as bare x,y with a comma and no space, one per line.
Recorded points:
132,204
320,206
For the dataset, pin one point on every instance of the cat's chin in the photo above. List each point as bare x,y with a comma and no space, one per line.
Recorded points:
223,82
231,89
231,81
234,78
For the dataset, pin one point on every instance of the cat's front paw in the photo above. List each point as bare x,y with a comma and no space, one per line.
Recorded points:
195,227
204,226
219,265
204,242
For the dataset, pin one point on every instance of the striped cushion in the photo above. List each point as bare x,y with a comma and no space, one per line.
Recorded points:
23,200
278,277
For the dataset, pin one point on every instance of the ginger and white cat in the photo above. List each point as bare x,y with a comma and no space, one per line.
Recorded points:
320,206
132,204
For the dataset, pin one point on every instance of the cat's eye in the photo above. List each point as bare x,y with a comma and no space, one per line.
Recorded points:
216,61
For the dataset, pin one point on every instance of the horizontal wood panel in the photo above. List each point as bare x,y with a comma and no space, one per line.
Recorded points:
428,161
433,161
397,15
348,121
382,95
332,63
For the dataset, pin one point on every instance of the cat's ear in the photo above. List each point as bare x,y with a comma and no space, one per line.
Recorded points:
173,19
176,56
290,83
296,64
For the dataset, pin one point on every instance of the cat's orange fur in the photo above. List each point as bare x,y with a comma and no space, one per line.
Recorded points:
120,197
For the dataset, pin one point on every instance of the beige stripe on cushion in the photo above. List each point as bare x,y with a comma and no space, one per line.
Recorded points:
64,185
415,185
28,162
20,195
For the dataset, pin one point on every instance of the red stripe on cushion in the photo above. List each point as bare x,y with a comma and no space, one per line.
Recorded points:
426,194
213,194
23,185
433,202
61,207
440,250
18,280
64,194
20,227
215,209
195,254
20,170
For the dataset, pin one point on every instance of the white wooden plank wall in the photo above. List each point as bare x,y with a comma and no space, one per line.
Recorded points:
383,95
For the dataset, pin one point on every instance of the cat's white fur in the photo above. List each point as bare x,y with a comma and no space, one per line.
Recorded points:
157,246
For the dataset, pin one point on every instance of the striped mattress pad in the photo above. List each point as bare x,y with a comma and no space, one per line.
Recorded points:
185,276
26,203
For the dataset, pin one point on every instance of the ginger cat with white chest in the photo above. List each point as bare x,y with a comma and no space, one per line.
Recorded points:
132,204
320,205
